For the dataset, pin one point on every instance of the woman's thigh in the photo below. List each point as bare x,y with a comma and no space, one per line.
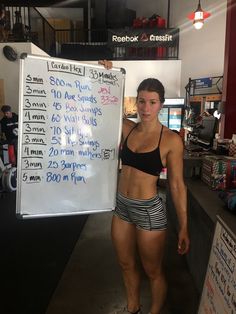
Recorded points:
151,246
124,240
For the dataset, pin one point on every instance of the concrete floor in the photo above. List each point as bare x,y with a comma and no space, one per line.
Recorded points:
92,283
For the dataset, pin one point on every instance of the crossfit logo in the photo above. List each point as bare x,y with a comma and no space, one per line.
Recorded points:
144,37
165,37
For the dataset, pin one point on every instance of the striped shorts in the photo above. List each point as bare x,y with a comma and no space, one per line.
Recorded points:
147,214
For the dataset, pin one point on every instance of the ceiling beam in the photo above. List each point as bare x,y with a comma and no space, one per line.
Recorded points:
47,3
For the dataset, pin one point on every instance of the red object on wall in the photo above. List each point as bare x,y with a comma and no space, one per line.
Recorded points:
161,52
11,154
137,23
161,23
143,22
152,23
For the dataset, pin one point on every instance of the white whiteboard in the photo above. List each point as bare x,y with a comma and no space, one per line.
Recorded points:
219,293
70,117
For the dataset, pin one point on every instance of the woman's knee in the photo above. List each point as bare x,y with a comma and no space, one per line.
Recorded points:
127,265
153,271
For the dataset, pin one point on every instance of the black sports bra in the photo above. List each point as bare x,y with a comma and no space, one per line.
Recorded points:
149,162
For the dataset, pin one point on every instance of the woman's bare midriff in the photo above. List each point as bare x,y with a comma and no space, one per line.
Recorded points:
136,184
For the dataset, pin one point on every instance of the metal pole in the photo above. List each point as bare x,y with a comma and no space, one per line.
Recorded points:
168,14
89,21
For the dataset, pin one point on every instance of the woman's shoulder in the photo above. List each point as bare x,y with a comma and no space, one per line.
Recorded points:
128,125
128,122
172,138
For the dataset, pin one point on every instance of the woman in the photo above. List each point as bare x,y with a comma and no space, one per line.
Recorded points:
139,221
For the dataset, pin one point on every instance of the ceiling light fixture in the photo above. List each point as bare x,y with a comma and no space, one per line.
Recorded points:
198,16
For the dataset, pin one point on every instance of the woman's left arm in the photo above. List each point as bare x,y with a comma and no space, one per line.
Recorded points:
178,189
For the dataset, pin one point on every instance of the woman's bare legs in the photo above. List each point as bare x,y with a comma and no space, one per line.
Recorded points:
124,240
151,245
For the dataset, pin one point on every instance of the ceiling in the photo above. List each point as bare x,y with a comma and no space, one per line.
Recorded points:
47,3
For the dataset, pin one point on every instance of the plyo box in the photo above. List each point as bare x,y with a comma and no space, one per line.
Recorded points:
214,172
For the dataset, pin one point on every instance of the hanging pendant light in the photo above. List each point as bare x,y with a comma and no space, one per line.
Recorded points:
198,16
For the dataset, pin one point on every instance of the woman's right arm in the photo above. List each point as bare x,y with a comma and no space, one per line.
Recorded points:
127,126
107,64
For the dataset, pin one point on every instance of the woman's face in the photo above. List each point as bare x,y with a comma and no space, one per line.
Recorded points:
148,105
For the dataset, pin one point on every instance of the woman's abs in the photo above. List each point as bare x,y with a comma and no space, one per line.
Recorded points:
136,184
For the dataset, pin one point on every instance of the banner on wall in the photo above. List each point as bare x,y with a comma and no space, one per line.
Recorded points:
143,37
205,82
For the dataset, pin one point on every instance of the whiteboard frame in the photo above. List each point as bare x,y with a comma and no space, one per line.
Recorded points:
23,56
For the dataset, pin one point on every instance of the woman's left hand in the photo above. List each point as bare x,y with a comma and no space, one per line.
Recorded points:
107,64
183,242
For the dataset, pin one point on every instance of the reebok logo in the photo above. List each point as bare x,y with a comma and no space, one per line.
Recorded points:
124,39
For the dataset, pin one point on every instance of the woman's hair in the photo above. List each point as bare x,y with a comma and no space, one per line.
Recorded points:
152,85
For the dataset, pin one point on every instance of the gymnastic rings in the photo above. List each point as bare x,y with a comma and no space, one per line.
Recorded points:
9,179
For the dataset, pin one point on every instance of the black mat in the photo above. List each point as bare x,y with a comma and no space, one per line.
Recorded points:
33,255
